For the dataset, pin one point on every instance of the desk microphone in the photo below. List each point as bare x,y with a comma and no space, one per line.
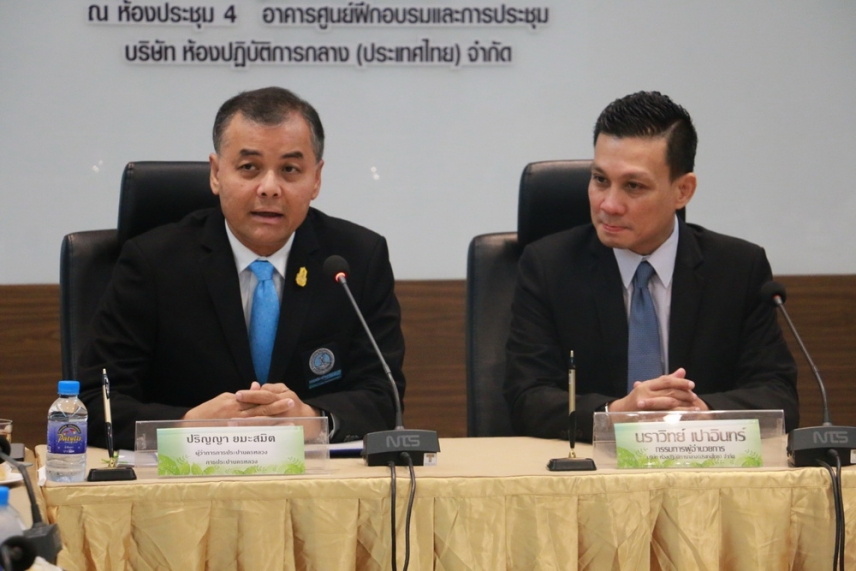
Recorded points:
17,553
41,539
381,448
807,446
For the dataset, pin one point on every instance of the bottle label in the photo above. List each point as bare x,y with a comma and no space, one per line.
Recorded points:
66,438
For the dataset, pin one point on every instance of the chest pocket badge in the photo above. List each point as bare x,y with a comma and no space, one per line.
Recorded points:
322,364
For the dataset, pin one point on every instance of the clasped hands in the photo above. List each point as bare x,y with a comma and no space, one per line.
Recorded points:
271,399
668,392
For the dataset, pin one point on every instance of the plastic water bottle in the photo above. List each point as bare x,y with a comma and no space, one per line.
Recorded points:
67,419
10,521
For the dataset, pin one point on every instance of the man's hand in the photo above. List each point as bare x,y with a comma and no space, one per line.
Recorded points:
668,392
272,399
221,406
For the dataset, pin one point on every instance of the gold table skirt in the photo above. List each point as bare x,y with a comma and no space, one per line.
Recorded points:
490,505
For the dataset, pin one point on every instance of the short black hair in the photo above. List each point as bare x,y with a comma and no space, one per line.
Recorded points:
651,114
269,106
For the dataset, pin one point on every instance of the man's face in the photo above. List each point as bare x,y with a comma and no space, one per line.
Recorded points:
266,176
633,200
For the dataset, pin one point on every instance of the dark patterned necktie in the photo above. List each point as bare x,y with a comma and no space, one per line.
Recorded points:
644,359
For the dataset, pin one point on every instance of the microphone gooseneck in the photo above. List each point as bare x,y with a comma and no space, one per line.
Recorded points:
44,538
5,456
337,268
817,445
774,293
396,447
389,447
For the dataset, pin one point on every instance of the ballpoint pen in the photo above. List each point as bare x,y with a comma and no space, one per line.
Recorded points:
113,471
571,462
572,405
108,419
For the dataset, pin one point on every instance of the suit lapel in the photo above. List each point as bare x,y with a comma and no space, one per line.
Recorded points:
221,278
303,273
687,286
611,311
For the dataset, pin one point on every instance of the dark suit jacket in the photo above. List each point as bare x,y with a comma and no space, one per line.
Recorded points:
171,329
569,296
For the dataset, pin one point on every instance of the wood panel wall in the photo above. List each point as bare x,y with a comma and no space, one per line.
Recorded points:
823,308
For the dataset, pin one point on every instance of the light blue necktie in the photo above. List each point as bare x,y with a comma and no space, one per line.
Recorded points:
644,359
264,318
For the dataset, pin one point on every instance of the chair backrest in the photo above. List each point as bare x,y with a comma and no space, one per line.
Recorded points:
152,193
491,276
155,193
553,197
85,266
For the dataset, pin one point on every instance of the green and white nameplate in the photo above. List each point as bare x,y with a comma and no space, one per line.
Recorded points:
230,451
689,444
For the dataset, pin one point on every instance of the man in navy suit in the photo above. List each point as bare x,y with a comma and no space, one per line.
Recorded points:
174,325
718,345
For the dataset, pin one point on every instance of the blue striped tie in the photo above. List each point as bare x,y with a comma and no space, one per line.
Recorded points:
264,318
644,360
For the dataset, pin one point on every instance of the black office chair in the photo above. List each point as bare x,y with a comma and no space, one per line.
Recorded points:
153,193
553,197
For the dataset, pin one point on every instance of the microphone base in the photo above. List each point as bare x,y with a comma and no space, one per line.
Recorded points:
381,448
807,446
118,473
46,540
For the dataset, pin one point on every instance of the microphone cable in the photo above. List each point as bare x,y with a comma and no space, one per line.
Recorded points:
409,460
409,512
392,494
839,521
838,501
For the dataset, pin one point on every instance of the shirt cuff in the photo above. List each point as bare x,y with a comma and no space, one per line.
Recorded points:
333,425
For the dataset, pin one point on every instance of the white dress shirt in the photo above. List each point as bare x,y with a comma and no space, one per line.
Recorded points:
248,281
663,261
244,257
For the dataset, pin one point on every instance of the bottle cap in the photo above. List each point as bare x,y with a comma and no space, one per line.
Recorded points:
68,388
4,496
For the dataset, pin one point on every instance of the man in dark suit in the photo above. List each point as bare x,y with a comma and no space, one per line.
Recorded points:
178,329
695,335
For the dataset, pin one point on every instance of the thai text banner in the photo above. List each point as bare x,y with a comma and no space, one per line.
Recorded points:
232,451
689,444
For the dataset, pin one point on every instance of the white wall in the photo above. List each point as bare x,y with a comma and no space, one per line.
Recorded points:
770,85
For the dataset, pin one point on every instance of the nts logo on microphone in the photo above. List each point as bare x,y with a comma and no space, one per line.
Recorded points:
831,437
403,441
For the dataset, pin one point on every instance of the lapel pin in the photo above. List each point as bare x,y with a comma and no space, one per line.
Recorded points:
301,277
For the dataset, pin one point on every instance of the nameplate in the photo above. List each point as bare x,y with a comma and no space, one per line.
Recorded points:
689,444
230,451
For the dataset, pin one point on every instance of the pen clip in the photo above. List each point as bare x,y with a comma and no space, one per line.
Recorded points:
105,383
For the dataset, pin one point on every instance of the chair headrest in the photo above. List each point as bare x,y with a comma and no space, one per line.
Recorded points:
553,197
155,193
